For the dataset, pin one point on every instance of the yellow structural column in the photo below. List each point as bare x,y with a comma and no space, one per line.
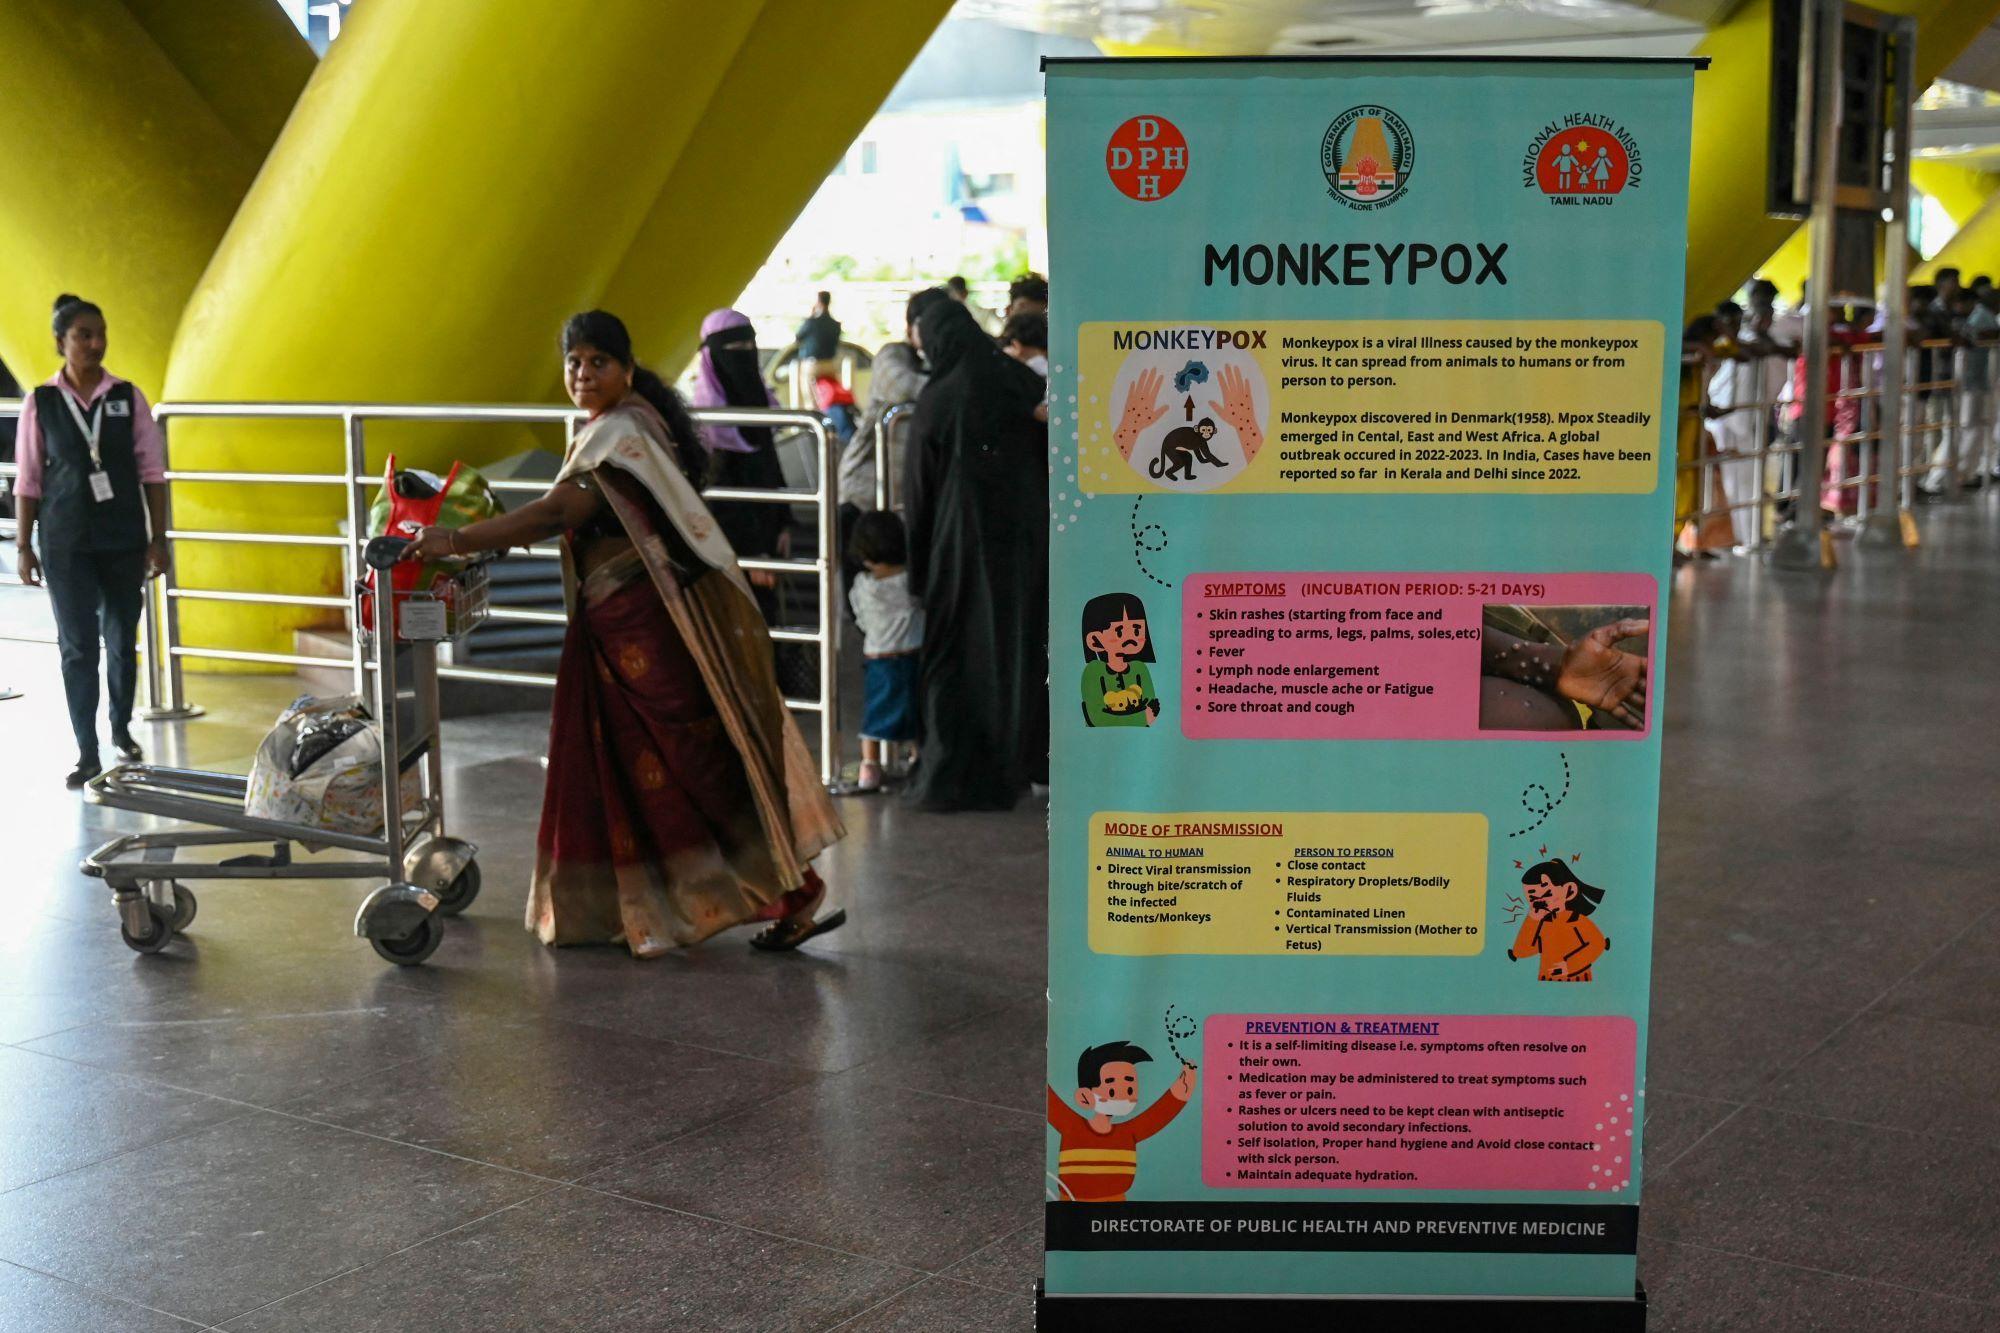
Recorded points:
1961,191
1728,234
121,171
455,180
1974,250
737,189
243,56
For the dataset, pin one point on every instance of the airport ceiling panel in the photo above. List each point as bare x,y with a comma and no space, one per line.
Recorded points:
1339,27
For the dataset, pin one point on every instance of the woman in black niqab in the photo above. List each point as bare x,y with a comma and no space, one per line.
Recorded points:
977,494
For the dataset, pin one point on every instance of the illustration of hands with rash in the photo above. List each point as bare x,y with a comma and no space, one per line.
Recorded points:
1143,409
1239,408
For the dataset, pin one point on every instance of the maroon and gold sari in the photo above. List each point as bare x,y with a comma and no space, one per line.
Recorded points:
681,799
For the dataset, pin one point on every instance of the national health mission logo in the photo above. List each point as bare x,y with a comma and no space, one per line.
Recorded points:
1367,156
1583,158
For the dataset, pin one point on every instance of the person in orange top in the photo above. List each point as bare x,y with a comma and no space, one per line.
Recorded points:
1558,929
1099,1153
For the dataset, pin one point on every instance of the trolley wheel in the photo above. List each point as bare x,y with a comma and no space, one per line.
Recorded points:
184,907
155,939
458,895
410,949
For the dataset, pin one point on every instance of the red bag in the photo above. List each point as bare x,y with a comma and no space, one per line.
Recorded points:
404,515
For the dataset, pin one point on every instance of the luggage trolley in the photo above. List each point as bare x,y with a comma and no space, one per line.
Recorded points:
430,875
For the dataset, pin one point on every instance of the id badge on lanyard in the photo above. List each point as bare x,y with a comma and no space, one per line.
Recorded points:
92,427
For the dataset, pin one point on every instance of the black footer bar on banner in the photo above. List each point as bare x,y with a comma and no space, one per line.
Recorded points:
1450,1228
1349,1314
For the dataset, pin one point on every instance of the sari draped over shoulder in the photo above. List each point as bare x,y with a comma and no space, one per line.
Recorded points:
681,798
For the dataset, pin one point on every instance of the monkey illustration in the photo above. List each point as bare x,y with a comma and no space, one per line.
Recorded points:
1180,450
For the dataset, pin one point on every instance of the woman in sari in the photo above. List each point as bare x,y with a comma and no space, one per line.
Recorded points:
681,799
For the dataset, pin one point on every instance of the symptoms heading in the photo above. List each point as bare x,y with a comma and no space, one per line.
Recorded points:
1354,264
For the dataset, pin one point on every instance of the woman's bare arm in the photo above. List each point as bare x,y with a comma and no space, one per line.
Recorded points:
566,505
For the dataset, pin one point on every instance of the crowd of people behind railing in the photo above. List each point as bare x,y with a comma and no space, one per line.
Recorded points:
1742,402
681,799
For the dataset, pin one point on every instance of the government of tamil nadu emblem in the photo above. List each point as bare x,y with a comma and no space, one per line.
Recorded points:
1367,155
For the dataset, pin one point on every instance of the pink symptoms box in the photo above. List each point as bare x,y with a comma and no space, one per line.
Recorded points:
1379,656
1418,1102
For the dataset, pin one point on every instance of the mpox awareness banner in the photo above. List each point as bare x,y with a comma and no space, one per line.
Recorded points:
1363,410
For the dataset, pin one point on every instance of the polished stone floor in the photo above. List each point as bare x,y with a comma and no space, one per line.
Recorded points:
265,1128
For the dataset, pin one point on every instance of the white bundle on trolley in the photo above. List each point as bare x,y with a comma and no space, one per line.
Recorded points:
321,766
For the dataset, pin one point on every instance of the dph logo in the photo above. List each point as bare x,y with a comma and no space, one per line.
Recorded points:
1147,158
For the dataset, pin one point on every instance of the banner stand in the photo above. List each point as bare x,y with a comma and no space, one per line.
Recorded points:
1371,412
1226,1314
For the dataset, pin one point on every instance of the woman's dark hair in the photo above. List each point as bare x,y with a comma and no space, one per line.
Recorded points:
922,301
69,308
878,539
1699,329
1101,611
607,333
1588,896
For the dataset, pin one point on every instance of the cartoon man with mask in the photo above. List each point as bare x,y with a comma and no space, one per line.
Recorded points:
1099,1153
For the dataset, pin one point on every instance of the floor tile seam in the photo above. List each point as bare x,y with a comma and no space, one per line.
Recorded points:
147,1146
884,1303
996,1241
638,1156
416,1147
885,954
1700,1139
213,1096
814,1070
747,1229
1650,1091
1976,1304
972,1101
221,1325
1782,1071
1940,1136
121,1300
1874,1005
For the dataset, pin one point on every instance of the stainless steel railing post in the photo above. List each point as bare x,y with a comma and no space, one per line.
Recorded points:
829,603
163,641
885,472
354,465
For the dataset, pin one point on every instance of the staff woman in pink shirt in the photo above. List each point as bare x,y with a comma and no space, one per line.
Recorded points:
92,484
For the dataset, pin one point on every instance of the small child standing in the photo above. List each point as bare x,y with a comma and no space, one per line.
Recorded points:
892,629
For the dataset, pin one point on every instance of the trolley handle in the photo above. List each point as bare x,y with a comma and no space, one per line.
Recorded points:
385,551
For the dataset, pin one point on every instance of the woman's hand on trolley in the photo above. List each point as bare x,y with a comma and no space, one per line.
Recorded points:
434,543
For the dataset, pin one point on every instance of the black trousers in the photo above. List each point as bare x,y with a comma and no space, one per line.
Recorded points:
97,596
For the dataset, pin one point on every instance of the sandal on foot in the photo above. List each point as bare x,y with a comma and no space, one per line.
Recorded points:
790,934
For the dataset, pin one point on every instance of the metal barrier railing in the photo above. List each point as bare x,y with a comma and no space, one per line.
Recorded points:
1944,433
886,480
165,674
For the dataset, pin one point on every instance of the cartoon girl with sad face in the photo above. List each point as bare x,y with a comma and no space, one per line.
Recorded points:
1117,687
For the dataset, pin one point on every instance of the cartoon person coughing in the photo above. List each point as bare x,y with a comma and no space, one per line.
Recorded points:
1558,929
1099,1154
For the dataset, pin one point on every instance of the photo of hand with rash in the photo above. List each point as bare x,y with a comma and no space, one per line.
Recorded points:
1563,668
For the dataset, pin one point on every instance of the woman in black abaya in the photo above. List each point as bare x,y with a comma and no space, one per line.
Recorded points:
977,495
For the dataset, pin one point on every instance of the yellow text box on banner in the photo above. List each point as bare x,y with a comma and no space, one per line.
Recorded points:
1557,407
1287,883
